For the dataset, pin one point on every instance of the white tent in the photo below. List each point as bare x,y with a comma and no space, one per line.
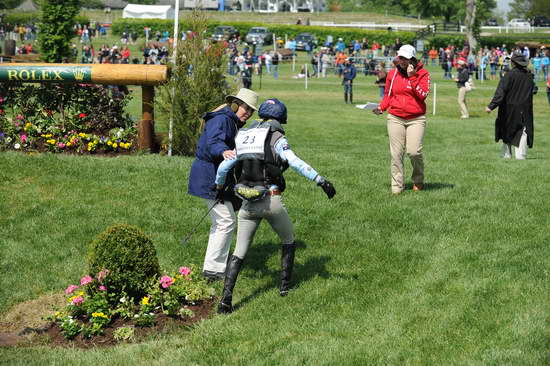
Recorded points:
148,11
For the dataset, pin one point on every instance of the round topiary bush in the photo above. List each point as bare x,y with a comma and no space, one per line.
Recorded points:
130,257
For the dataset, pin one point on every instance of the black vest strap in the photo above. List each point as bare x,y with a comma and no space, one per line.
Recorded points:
267,172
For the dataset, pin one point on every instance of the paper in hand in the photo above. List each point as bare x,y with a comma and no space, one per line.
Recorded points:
368,106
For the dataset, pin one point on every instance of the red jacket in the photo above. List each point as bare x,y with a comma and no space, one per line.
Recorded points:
404,97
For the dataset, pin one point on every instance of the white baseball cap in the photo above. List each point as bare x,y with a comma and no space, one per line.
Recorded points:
407,51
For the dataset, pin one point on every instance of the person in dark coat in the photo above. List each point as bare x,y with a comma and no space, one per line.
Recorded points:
349,73
216,143
514,97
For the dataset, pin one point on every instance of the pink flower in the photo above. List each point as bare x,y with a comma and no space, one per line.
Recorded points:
102,288
70,289
166,281
24,138
20,117
78,300
185,271
86,280
102,274
61,145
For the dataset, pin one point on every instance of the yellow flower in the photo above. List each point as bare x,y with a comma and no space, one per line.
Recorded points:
82,134
145,301
115,145
99,315
80,293
70,299
57,313
109,143
69,144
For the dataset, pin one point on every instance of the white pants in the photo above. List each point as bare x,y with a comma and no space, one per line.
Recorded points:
520,151
251,214
221,233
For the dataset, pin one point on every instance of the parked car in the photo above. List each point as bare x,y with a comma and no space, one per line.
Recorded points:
491,22
541,21
518,23
259,35
225,32
304,38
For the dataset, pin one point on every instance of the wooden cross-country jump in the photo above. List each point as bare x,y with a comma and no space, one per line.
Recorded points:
108,74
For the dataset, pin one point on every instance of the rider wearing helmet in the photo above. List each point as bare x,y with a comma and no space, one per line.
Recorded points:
262,155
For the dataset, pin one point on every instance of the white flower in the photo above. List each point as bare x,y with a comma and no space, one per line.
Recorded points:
136,316
17,146
8,139
123,300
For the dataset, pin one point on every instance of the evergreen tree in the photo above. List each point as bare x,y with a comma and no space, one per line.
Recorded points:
57,29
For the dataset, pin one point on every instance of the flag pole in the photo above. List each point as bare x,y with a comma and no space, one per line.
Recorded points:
174,61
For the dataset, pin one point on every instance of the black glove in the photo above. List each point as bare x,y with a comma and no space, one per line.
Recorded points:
327,187
219,193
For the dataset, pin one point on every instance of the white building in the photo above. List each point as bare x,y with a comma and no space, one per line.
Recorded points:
274,6
263,6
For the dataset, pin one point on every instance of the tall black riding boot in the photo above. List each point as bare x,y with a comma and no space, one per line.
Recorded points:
346,97
225,306
287,263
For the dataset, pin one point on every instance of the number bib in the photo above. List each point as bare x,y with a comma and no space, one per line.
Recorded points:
250,143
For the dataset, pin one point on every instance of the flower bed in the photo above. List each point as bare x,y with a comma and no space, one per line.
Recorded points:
82,119
95,315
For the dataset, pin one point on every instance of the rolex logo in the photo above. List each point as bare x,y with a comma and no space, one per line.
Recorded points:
78,74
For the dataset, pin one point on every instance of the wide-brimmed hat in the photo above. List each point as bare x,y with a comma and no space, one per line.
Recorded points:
407,51
519,59
247,96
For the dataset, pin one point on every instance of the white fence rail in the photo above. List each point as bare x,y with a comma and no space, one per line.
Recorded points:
415,27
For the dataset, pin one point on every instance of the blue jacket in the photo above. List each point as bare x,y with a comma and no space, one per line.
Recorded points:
349,72
218,135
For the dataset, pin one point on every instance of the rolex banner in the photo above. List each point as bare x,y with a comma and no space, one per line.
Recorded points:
46,73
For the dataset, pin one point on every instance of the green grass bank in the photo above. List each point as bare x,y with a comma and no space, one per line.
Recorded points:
453,275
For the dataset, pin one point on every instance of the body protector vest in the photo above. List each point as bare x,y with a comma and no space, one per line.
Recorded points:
258,165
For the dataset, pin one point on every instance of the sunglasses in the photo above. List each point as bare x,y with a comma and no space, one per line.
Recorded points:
247,108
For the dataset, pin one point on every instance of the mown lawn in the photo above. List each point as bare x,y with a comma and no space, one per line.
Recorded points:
455,275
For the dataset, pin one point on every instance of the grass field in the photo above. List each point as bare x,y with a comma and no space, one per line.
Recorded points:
455,275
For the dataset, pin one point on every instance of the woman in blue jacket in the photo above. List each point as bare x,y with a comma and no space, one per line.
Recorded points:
216,143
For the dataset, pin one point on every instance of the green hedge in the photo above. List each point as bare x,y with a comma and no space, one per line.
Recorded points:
34,17
489,41
348,34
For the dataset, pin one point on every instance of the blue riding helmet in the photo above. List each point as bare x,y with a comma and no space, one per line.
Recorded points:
273,108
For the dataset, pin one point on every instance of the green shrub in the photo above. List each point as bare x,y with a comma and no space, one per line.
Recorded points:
129,256
490,41
348,34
